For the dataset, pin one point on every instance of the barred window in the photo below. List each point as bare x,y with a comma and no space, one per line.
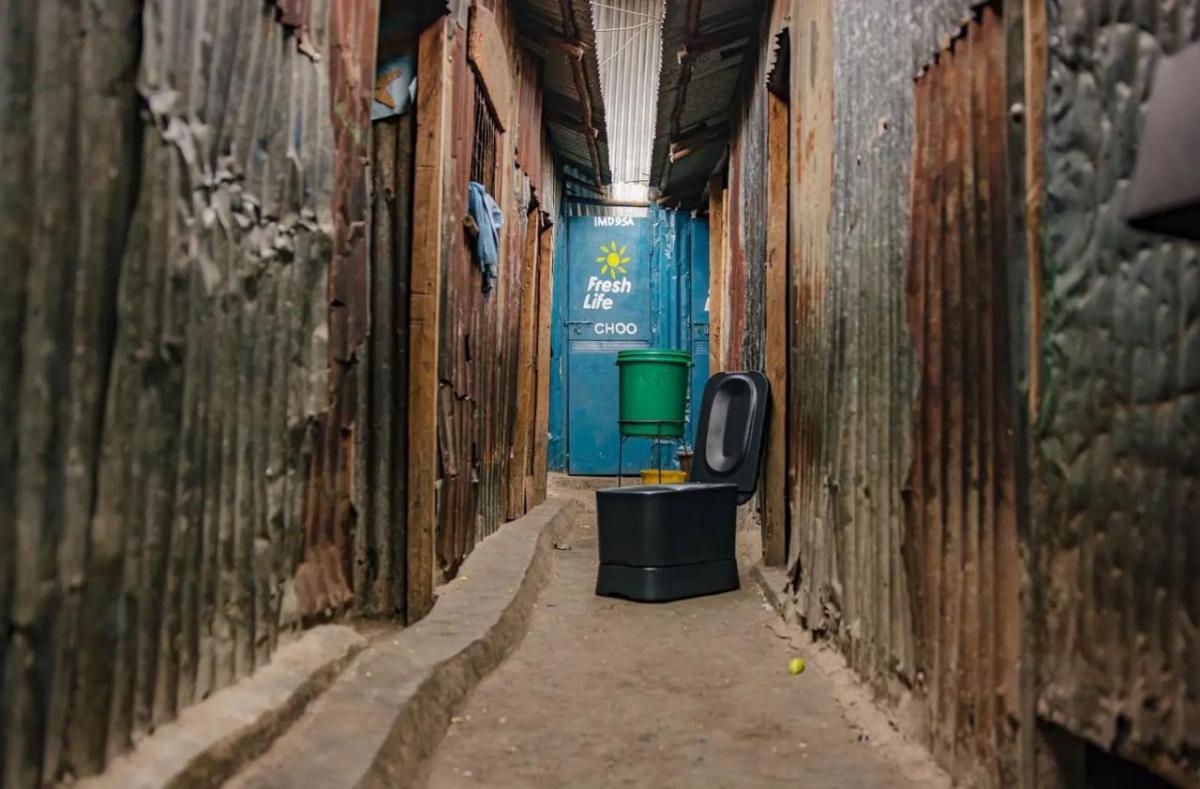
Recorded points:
483,152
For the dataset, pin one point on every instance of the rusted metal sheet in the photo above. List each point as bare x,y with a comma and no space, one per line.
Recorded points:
380,579
810,564
530,130
748,215
324,576
487,472
1117,449
935,23
852,369
960,554
479,335
172,393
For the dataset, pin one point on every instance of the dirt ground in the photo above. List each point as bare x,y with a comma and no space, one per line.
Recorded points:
604,692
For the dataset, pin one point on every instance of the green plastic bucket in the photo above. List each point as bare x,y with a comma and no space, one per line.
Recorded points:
654,386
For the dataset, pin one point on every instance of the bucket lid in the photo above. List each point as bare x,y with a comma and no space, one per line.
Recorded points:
654,355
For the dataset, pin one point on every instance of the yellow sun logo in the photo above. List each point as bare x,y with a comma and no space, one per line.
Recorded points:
613,260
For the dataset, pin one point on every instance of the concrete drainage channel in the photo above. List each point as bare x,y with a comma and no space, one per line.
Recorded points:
334,710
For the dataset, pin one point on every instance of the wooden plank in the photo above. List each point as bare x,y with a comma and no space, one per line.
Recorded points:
526,353
776,351
429,220
716,276
541,419
489,58
526,360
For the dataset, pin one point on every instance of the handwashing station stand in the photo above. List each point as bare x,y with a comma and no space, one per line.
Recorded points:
667,542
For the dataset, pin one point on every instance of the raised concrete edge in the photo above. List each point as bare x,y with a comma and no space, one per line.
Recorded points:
380,722
210,740
773,583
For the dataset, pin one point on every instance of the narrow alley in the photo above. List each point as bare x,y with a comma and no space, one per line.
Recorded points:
590,393
608,692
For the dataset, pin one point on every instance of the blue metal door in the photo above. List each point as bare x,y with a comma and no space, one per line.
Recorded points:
697,256
608,309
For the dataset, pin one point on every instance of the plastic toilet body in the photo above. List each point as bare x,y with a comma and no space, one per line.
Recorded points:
667,542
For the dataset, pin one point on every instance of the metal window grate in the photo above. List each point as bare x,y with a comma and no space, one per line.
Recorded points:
483,151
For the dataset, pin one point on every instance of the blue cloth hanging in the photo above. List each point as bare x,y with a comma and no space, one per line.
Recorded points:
489,219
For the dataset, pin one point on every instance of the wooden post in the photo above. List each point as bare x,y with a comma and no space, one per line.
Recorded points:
541,419
433,118
716,276
518,465
775,476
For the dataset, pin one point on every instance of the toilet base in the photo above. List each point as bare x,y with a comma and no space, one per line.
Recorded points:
672,582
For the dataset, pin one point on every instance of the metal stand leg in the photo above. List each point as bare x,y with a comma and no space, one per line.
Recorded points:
658,449
620,459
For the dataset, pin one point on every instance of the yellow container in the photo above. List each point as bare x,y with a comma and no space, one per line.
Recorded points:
650,476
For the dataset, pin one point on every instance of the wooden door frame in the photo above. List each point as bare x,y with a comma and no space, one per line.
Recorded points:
434,95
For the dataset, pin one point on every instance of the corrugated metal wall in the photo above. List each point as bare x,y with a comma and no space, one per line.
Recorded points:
903,544
812,112
178,204
961,555
380,577
482,463
907,466
746,215
855,374
1118,435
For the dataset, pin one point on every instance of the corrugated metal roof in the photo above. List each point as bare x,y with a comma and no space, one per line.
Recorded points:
562,32
704,47
629,38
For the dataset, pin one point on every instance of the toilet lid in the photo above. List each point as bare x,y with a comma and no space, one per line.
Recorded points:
729,436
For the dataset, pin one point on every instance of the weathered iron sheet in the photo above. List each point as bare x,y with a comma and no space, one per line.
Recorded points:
748,221
483,455
961,556
854,371
1117,444
935,23
171,276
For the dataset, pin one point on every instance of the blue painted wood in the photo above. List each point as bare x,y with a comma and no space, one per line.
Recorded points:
557,447
610,279
658,301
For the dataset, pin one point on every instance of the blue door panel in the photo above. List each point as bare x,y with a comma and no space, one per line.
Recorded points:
628,282
608,291
592,428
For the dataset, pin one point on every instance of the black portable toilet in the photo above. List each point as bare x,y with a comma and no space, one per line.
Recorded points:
668,542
